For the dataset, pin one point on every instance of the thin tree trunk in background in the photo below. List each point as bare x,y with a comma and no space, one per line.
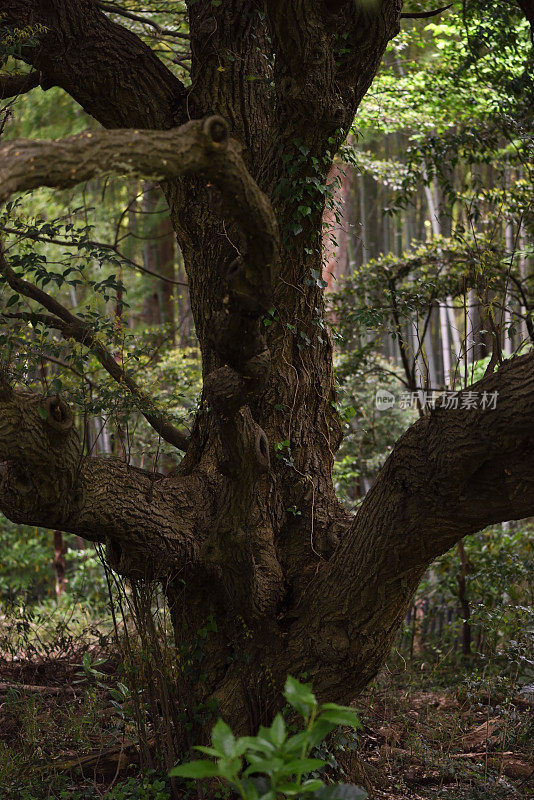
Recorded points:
455,333
364,244
444,316
59,563
185,332
103,435
445,344
523,271
421,368
471,327
159,256
464,601
506,342
429,354
335,229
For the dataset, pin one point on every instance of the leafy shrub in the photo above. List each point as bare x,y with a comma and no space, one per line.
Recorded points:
274,763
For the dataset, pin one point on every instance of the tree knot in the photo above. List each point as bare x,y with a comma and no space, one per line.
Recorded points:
216,130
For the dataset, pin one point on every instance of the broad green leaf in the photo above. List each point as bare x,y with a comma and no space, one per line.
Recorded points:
320,729
278,731
222,738
256,743
293,789
300,696
337,707
263,741
341,716
266,765
312,785
295,743
209,751
195,769
301,765
229,768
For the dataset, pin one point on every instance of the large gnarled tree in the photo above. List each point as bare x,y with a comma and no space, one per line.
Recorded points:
275,85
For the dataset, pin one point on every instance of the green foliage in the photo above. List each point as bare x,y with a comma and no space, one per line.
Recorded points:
139,789
26,572
369,433
273,763
25,562
148,787
453,102
465,65
499,590
13,39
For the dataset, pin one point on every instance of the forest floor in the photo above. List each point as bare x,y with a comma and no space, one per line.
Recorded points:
62,736
426,742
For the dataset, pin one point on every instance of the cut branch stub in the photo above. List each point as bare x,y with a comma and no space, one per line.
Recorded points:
58,413
42,453
216,129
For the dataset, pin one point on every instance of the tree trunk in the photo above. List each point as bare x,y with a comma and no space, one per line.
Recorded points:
265,573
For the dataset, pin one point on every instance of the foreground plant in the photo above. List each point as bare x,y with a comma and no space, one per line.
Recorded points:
276,760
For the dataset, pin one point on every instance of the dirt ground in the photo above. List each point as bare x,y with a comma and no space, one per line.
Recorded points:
415,743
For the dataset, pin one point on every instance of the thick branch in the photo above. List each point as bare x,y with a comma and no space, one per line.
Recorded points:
426,14
450,475
326,57
148,522
199,146
196,147
106,68
13,85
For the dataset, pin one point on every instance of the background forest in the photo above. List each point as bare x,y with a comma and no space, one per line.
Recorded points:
428,265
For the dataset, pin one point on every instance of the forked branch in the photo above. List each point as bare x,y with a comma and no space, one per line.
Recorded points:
451,474
72,327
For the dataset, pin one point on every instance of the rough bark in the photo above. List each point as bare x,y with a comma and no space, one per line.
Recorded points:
316,592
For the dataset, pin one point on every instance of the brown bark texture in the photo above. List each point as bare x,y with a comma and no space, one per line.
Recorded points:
274,89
